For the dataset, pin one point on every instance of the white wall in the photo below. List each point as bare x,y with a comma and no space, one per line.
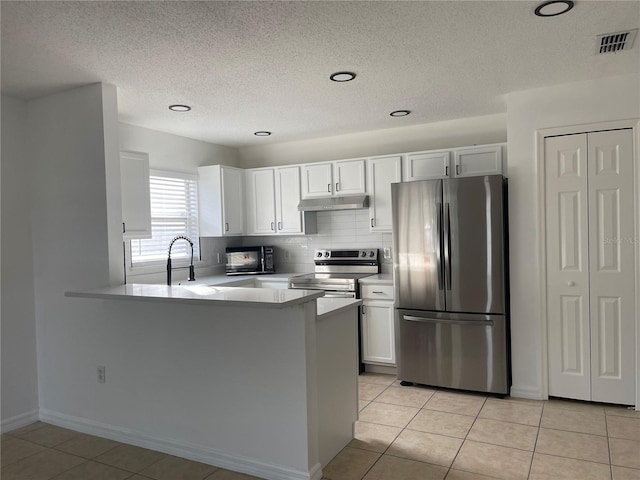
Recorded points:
607,99
73,215
173,152
431,136
19,371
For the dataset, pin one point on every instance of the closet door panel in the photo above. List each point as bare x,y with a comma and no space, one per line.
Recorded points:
567,266
612,261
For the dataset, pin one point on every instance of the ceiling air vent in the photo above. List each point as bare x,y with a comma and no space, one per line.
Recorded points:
615,42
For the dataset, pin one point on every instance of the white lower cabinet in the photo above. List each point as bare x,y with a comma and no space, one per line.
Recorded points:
378,324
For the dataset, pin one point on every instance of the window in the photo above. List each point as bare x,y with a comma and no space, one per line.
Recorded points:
174,211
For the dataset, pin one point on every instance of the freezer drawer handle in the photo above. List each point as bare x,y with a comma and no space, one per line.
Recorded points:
411,318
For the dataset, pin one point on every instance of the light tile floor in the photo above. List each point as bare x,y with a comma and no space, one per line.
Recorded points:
417,433
404,433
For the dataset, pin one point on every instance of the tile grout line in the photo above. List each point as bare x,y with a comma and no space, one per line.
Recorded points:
465,437
606,429
535,444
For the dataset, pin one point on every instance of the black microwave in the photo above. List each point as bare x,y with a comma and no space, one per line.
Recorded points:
249,260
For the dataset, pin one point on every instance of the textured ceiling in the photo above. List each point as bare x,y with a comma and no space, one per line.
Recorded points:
247,66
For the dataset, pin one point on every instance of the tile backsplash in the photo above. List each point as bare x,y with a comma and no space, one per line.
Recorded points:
336,229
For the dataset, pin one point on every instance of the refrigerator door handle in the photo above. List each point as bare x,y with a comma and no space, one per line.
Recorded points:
412,318
447,245
438,242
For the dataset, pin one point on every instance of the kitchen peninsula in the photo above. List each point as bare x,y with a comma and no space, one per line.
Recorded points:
255,380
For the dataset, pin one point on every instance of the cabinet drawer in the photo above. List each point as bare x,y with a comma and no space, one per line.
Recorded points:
376,291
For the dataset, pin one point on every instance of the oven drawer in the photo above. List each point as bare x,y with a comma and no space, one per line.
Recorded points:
375,291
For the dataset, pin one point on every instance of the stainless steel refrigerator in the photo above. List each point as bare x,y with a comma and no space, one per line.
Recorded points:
450,276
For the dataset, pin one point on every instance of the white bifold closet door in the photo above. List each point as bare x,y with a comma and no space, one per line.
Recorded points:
591,266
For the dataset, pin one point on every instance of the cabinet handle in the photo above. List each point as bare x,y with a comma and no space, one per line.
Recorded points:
372,223
458,169
226,226
446,170
337,187
123,228
272,226
279,225
362,309
329,187
379,293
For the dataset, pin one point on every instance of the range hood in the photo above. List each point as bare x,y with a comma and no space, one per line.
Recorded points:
333,203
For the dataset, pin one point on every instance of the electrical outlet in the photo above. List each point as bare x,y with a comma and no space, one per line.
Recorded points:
387,252
218,258
102,374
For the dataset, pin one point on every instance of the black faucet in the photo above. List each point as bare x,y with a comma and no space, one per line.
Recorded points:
192,272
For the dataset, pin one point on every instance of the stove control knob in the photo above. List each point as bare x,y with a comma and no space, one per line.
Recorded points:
326,254
363,254
318,254
372,253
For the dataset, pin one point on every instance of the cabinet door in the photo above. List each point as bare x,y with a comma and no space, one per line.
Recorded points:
378,338
261,202
567,266
476,161
288,218
317,180
382,172
349,177
136,200
426,166
611,266
232,201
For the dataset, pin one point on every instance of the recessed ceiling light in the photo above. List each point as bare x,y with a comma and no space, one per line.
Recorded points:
179,108
262,134
553,8
400,113
342,76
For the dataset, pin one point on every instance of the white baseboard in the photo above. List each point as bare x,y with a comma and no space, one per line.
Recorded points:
197,453
526,392
18,421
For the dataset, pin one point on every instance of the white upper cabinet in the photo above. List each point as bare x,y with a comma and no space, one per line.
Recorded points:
427,165
261,205
221,201
349,177
273,195
344,177
317,180
382,172
288,219
136,200
475,161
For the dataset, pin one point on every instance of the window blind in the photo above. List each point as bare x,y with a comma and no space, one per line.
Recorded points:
174,211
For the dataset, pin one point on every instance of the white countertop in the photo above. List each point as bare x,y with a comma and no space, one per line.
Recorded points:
381,278
203,295
329,306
